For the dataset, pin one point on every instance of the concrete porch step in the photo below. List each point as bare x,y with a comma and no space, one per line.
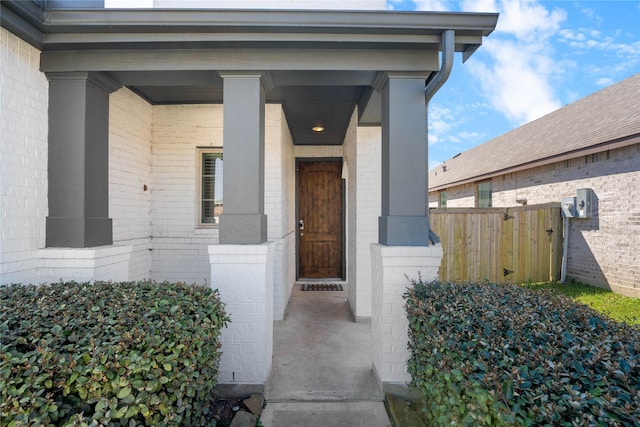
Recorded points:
325,414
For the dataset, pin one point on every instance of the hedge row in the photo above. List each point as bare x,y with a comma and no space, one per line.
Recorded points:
100,353
486,354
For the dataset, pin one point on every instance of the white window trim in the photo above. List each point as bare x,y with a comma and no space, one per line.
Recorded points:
199,152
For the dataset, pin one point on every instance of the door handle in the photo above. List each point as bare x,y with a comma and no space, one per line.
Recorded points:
301,224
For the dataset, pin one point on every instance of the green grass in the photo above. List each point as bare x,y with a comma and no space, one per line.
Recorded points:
616,306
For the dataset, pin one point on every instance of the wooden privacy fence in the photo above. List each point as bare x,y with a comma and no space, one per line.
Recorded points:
517,244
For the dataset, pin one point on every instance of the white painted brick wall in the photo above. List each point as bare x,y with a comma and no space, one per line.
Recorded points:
280,204
391,265
369,201
179,248
603,251
362,153
244,276
106,263
351,163
130,121
23,159
318,151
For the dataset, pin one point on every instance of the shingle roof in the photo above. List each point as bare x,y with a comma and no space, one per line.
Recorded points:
606,117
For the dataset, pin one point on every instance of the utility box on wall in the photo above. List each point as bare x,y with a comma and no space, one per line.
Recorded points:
568,205
583,202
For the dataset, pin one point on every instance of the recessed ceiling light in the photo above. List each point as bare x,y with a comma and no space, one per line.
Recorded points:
317,128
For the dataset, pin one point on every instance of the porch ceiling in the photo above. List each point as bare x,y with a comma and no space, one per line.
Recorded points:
308,98
321,64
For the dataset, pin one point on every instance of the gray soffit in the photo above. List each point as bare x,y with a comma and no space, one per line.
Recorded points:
604,120
322,63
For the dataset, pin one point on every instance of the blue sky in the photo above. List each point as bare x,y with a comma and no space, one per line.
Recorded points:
543,55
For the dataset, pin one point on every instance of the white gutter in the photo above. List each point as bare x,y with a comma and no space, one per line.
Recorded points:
448,44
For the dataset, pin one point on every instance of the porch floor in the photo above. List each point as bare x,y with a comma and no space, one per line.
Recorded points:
321,374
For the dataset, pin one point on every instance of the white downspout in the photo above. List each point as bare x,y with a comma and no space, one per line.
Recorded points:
565,247
448,42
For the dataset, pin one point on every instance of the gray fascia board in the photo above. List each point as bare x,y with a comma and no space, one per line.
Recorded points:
31,11
239,59
214,20
98,41
21,27
230,37
66,28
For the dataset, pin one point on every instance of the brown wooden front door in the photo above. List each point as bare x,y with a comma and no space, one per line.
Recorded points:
320,247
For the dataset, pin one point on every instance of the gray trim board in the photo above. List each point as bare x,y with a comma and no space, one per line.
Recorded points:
252,59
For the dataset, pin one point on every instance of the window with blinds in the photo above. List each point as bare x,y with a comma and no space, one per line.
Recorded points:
483,196
442,202
211,187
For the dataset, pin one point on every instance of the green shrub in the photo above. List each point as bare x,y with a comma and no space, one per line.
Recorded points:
108,353
486,354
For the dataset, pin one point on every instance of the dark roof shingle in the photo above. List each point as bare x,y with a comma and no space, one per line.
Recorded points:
604,117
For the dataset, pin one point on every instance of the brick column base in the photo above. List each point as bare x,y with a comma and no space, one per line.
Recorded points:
84,264
392,267
244,276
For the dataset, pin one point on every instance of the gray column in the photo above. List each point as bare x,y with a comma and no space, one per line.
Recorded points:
243,220
78,167
404,220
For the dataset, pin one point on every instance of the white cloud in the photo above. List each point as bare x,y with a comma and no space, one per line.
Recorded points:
529,21
604,81
480,6
432,5
474,136
121,4
515,84
434,163
440,121
585,39
443,123
515,68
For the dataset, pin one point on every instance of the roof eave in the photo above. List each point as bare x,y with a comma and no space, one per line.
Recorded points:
23,19
65,29
593,149
269,20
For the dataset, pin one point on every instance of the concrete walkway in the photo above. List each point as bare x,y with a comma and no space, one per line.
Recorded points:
321,373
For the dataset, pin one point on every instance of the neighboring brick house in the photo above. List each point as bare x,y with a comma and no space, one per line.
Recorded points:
591,143
122,130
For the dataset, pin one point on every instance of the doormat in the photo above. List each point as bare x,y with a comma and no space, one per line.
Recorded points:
321,287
